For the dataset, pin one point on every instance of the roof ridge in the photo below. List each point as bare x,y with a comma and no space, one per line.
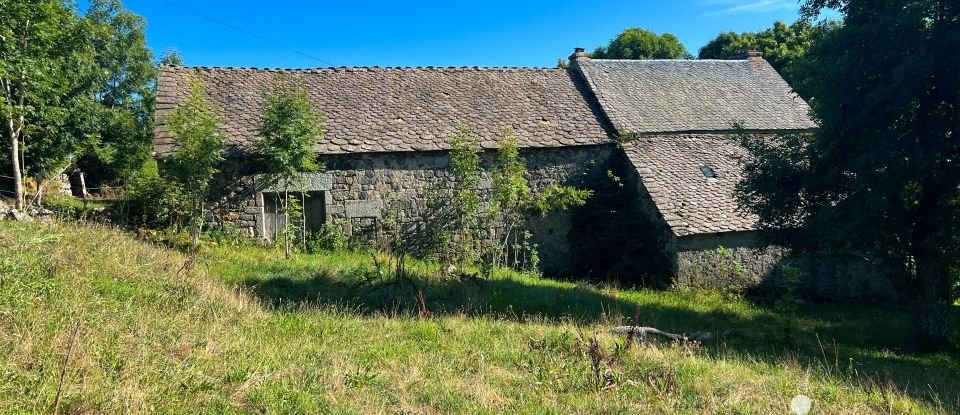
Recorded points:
667,60
368,68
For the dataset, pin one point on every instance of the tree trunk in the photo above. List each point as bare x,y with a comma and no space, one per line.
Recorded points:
197,225
15,162
286,224
303,220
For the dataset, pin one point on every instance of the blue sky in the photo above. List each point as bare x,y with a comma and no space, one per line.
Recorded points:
451,33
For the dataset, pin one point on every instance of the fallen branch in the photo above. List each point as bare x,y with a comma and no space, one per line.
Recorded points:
633,331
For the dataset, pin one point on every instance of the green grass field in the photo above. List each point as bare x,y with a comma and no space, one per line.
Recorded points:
93,320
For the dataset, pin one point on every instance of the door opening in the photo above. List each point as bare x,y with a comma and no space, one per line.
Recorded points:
274,220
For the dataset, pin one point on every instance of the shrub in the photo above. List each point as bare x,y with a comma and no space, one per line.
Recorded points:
152,201
471,226
332,237
227,234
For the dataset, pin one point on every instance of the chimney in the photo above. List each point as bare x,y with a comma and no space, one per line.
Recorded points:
579,55
749,54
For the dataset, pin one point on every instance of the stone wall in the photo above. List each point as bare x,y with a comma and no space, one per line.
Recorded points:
357,186
728,261
737,262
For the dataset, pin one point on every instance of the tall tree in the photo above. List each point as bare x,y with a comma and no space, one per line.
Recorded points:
124,90
881,175
45,63
637,43
289,131
195,124
783,45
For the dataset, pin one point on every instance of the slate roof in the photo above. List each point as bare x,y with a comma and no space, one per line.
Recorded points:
669,167
401,109
656,96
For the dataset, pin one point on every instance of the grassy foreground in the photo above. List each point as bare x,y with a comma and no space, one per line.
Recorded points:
94,321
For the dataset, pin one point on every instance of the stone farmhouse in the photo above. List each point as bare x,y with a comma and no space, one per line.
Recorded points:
666,123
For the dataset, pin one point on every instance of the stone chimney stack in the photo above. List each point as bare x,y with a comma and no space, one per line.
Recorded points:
579,55
749,54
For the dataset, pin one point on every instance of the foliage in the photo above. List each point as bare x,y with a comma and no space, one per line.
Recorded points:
783,46
392,246
510,202
227,235
238,329
123,88
513,204
485,227
87,93
195,124
46,66
637,43
789,302
171,57
289,129
152,201
82,84
510,188
294,224
68,208
880,177
557,198
332,237
466,230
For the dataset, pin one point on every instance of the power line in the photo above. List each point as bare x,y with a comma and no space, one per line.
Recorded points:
247,32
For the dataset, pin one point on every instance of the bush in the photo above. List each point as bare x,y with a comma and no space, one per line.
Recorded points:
469,225
152,201
227,234
331,237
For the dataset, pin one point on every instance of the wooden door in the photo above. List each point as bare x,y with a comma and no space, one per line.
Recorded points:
314,211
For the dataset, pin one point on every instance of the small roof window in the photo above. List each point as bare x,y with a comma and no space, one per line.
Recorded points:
708,172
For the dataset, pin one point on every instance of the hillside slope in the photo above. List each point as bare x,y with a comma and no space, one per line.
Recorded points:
131,327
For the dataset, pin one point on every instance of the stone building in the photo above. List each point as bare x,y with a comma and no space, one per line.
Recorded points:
387,132
669,121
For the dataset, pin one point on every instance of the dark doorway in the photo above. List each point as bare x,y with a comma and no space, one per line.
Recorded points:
314,212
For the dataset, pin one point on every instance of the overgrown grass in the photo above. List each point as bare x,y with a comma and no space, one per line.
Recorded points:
240,330
72,208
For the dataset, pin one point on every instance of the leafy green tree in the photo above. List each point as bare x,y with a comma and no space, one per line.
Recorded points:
881,175
637,43
124,88
513,203
45,67
465,170
511,195
171,57
289,131
195,124
783,45
510,186
477,226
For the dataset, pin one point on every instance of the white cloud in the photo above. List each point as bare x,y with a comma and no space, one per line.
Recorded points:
727,7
